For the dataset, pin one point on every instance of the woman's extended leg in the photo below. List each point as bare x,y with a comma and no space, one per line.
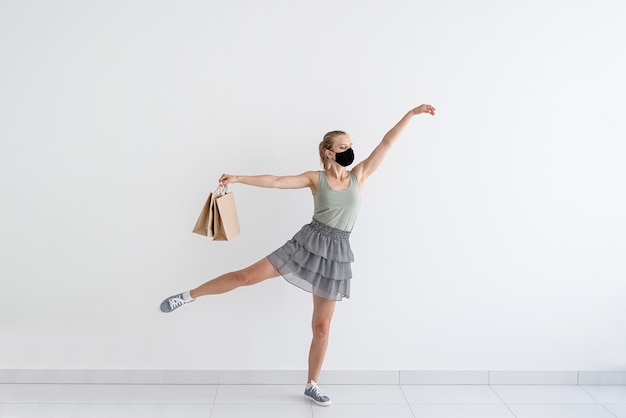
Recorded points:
323,310
256,273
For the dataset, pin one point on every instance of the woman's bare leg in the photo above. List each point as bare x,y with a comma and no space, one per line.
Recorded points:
323,310
256,273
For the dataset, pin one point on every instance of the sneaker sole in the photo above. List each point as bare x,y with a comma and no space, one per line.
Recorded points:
329,403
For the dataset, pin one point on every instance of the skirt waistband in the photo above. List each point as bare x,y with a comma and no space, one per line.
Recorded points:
329,231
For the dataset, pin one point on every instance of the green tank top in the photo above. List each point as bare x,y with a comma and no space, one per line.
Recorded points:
337,208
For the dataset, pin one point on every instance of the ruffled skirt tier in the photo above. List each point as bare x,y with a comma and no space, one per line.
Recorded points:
317,259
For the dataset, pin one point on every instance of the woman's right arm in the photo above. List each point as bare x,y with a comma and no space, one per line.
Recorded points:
300,181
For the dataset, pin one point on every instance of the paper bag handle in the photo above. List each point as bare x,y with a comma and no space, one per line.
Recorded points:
221,190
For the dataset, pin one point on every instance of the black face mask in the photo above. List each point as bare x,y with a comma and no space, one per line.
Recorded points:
345,158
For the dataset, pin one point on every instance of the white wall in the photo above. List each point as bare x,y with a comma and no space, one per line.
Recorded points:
491,238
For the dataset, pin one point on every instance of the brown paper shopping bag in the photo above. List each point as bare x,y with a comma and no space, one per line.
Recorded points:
204,224
225,219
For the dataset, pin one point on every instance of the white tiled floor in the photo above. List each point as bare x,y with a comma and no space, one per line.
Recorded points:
278,401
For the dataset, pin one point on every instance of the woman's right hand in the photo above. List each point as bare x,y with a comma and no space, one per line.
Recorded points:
425,108
226,179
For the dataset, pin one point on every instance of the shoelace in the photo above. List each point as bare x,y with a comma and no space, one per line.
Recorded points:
176,302
317,392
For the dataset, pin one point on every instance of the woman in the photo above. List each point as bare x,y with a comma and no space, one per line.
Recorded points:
317,259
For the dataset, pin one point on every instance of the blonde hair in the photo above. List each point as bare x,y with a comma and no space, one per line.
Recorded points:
327,143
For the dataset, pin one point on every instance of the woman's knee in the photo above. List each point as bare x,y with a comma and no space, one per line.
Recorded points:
321,329
322,315
255,273
244,277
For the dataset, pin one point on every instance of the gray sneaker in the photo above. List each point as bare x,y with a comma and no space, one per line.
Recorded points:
313,393
173,302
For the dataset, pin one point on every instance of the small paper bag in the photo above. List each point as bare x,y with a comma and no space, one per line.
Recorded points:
204,224
225,219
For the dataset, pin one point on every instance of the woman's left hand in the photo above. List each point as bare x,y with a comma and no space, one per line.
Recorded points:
425,108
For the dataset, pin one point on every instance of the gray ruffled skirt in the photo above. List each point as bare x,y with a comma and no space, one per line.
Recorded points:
317,259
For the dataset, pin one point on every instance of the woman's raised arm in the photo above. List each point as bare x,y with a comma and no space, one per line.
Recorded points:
366,167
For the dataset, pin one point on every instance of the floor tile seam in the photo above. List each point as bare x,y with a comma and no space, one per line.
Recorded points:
407,401
608,410
597,400
544,405
502,400
600,403
605,406
217,389
590,395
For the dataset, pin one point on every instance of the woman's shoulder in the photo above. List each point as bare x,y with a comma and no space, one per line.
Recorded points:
313,176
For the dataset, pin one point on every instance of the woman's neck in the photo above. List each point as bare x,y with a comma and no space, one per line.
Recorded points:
337,172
